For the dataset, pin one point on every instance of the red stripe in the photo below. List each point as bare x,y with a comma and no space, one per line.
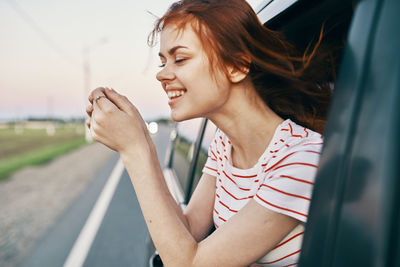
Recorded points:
291,254
216,211
291,132
293,237
229,193
305,129
226,206
210,168
288,155
213,154
296,179
244,189
282,140
293,264
312,151
296,163
222,142
242,176
217,195
225,157
212,158
275,206
282,159
286,193
310,144
284,129
222,218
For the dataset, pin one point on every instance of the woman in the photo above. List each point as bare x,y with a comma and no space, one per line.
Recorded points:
219,62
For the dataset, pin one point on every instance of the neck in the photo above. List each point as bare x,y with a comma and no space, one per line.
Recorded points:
248,122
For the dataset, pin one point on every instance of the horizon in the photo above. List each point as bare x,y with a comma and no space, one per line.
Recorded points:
50,45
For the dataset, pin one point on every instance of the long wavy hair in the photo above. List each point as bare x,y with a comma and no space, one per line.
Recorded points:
294,85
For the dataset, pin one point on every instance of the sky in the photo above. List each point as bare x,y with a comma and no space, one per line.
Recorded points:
44,45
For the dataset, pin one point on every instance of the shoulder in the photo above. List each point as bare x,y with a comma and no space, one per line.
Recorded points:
295,147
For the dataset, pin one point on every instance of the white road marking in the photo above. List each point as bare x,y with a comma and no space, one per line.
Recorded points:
77,256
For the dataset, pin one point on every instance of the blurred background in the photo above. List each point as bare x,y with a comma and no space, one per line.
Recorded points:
53,53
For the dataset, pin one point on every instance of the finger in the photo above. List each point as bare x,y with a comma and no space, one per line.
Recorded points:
123,103
95,132
96,92
87,121
120,101
89,110
104,104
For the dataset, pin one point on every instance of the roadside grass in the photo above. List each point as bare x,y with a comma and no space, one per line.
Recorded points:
35,146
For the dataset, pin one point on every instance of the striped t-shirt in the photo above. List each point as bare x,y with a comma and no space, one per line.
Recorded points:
281,181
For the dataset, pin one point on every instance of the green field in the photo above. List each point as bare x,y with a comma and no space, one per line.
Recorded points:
20,147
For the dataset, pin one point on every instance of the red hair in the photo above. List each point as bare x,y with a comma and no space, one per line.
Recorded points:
294,86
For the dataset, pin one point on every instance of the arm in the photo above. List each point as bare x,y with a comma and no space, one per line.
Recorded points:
197,216
247,236
199,212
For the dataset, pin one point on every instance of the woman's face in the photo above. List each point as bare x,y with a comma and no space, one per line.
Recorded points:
193,88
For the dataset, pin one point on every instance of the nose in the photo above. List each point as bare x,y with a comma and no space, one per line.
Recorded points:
166,74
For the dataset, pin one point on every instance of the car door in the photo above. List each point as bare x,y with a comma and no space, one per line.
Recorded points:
354,217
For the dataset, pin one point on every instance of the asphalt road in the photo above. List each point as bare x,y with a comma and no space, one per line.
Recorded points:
122,237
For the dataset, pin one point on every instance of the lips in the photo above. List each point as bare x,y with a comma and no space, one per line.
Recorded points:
175,95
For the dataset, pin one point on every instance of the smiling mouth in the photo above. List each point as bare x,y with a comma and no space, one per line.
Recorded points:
175,94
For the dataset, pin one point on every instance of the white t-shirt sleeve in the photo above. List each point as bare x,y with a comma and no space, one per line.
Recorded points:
288,183
211,164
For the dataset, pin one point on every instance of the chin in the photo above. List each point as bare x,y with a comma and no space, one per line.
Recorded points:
175,116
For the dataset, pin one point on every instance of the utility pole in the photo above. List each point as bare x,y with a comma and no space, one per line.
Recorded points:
87,76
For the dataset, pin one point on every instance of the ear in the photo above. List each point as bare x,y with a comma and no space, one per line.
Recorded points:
237,75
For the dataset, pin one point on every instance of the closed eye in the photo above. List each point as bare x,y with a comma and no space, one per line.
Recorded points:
176,62
180,60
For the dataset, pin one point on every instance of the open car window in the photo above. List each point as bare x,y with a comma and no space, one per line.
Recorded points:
183,150
202,154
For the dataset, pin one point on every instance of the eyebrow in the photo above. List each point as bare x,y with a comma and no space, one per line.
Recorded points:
172,50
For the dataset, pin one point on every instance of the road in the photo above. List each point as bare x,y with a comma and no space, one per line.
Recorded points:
121,238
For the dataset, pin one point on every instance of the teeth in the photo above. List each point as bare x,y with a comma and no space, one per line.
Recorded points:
172,94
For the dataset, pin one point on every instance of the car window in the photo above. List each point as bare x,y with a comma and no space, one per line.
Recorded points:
203,152
184,148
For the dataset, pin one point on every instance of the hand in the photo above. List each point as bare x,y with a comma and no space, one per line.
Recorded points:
115,121
89,109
